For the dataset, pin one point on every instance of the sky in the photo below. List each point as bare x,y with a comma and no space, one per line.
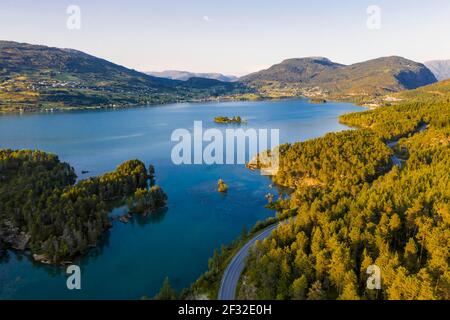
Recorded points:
233,37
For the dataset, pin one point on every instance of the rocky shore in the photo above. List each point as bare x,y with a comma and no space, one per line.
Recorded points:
265,162
12,237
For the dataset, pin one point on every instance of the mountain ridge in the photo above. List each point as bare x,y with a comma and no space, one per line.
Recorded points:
37,77
186,75
321,77
440,68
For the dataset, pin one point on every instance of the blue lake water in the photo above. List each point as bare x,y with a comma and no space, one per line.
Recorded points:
133,259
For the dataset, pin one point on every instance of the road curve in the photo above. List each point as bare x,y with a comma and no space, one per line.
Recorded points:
233,271
392,144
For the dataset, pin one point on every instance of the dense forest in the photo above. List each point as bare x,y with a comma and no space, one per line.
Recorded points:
351,207
44,210
344,158
355,216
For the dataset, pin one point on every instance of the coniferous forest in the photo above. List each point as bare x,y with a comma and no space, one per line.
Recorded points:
354,208
377,195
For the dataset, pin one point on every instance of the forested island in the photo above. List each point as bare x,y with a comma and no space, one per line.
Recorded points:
317,100
43,210
352,207
235,119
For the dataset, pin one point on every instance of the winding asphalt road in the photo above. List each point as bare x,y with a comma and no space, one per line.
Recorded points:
233,272
392,144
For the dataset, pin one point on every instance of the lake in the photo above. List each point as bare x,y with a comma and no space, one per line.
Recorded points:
133,259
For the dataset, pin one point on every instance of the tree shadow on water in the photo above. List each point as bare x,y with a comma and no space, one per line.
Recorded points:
90,256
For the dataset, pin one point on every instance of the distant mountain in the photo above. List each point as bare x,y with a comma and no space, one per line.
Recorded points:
205,83
34,77
299,70
186,75
68,65
320,76
440,68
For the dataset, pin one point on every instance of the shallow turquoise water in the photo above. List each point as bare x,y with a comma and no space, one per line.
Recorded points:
133,259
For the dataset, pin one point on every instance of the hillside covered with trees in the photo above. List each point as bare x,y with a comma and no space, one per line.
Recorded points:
398,220
352,207
44,210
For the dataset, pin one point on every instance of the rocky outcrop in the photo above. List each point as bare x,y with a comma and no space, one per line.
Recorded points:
125,218
267,162
42,258
13,237
222,186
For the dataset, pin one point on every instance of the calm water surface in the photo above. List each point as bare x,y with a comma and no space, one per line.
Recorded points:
133,259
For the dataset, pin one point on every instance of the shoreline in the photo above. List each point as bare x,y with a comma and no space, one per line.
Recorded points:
139,106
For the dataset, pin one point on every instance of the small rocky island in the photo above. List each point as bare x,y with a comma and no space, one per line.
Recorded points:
222,186
235,119
317,100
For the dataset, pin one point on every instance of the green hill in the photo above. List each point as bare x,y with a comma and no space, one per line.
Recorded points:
300,70
436,92
321,77
36,77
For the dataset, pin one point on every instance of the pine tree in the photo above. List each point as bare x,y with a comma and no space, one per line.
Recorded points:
316,292
350,291
299,288
410,254
166,292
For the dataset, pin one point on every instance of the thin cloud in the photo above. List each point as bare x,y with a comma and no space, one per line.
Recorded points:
207,19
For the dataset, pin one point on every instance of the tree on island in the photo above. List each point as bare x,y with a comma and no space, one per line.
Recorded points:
147,201
221,186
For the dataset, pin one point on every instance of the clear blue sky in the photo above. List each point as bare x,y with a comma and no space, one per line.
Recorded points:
232,36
